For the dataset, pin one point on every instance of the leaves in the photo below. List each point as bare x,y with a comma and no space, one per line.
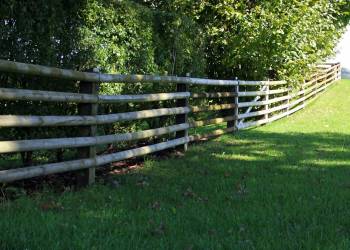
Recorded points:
271,35
215,39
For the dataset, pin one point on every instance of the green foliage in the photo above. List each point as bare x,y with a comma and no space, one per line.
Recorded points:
39,31
117,36
246,39
220,39
343,10
252,40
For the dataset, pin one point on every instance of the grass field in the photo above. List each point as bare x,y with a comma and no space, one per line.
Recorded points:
282,186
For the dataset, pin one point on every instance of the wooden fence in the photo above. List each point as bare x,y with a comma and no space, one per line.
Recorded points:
250,103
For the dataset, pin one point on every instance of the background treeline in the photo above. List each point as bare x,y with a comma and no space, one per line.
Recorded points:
222,38
248,39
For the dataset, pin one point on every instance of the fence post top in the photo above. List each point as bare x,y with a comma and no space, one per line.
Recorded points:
98,71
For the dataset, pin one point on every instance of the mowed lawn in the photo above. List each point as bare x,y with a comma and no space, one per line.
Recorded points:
282,186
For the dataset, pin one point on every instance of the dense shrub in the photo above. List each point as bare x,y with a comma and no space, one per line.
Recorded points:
222,38
117,36
249,39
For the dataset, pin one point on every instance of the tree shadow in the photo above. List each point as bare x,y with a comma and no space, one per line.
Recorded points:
256,149
238,191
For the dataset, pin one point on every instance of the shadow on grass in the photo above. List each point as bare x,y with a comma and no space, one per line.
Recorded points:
255,149
297,164
237,192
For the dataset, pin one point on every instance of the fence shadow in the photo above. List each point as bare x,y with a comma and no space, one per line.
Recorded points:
256,180
256,151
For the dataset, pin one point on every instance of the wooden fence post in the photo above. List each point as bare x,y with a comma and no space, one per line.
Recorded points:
303,94
266,99
325,82
316,82
235,110
87,176
288,99
182,118
236,91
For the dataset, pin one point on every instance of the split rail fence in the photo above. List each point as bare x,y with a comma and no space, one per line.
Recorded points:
248,104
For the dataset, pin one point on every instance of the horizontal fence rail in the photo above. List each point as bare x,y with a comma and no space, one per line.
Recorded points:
45,121
240,105
52,96
44,71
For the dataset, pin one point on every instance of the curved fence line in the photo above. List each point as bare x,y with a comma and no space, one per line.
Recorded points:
44,71
248,104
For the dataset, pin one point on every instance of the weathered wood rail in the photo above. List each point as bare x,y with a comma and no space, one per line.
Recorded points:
269,101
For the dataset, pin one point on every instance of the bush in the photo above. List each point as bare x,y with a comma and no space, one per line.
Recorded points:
252,40
247,38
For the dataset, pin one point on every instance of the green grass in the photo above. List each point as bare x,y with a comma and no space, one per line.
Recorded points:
282,186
